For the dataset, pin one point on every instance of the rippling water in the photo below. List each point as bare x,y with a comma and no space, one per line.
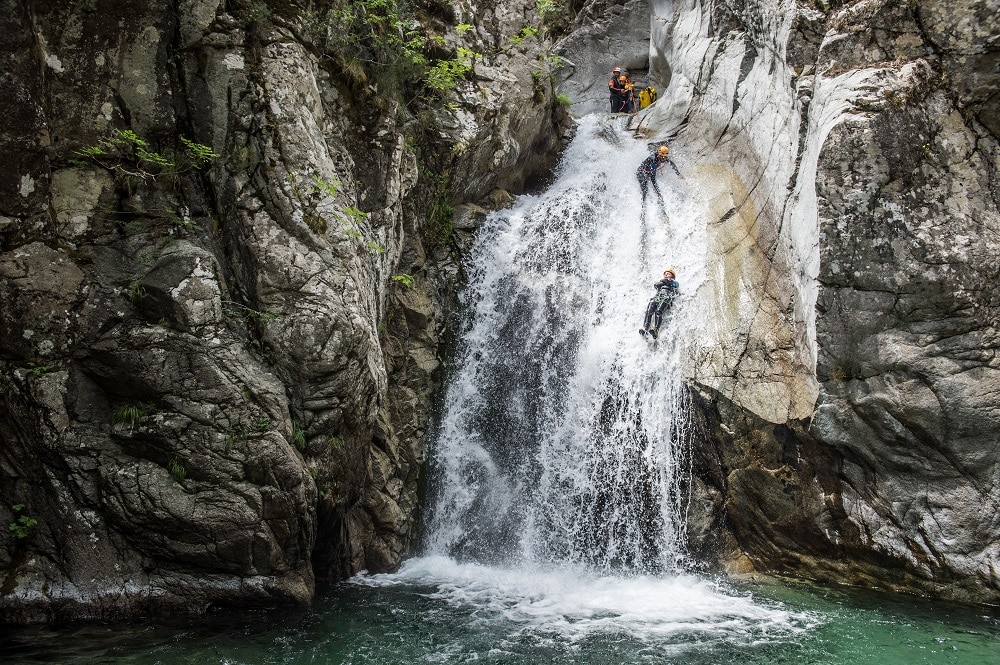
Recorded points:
556,518
436,610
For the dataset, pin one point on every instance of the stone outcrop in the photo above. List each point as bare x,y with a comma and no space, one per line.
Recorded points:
847,158
216,371
605,34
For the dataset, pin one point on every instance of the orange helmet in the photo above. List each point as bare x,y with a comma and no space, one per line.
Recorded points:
670,271
663,151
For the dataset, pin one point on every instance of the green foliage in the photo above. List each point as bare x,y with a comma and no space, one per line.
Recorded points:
199,155
463,28
404,279
234,434
375,248
136,291
257,11
36,370
329,187
440,228
546,8
527,31
356,215
262,424
127,414
177,470
445,74
298,437
248,314
127,155
21,527
377,39
563,100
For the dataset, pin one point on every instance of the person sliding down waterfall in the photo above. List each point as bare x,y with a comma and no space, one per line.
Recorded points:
666,290
646,173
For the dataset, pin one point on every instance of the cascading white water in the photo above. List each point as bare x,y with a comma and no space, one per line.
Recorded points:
557,475
562,435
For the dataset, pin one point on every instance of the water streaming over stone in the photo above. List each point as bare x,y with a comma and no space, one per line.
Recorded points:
559,472
563,435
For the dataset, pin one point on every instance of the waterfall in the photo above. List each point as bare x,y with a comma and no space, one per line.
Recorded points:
563,435
558,472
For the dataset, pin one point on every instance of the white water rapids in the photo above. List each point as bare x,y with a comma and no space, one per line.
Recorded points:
559,471
563,432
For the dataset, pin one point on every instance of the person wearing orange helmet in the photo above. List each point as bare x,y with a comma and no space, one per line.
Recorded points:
646,173
666,290
618,85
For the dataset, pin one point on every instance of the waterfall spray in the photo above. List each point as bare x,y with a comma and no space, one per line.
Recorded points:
563,433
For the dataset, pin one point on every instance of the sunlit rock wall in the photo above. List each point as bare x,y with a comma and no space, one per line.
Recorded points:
215,382
846,157
606,34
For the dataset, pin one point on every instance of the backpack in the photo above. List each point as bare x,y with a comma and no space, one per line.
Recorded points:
647,96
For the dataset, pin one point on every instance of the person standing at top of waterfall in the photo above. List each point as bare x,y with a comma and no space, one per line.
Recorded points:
646,173
666,290
618,86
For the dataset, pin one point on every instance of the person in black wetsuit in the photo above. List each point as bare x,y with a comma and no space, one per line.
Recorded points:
646,173
616,86
666,290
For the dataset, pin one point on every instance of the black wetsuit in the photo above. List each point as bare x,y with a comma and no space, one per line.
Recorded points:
618,95
646,173
666,291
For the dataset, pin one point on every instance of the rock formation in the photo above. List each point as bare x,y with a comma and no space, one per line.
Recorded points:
227,249
846,156
227,254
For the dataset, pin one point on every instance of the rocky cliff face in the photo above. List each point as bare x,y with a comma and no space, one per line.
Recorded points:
227,251
846,158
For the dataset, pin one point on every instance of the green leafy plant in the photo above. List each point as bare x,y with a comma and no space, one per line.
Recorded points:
404,279
257,11
136,291
21,527
127,414
375,248
356,215
563,100
527,31
198,155
248,314
556,61
546,8
440,227
329,187
373,39
298,437
36,370
262,424
463,28
177,470
127,155
445,74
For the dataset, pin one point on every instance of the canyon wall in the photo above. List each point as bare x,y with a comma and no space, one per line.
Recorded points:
227,254
845,158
